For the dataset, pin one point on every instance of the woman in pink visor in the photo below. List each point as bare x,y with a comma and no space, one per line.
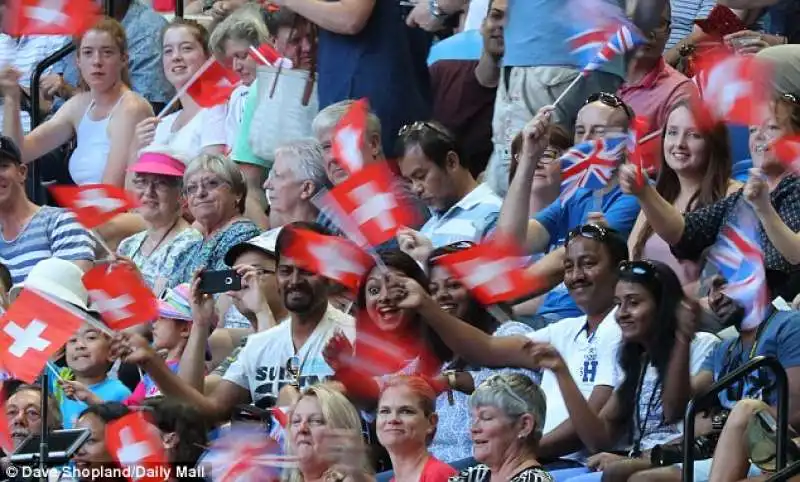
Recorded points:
157,186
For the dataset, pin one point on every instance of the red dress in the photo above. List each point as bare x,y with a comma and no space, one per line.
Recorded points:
435,471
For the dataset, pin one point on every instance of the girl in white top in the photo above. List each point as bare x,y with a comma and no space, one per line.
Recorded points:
103,117
192,130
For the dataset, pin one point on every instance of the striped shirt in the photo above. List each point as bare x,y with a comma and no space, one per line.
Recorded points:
470,219
51,233
684,13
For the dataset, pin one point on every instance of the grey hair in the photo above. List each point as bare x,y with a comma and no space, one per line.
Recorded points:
223,167
515,395
328,117
307,160
244,25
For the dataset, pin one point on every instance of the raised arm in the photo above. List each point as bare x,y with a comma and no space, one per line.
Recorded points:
786,241
346,17
666,220
121,130
464,339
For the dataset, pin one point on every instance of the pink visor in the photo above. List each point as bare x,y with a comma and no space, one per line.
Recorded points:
157,163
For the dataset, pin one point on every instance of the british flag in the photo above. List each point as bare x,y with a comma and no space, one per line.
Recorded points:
587,43
591,164
625,39
737,256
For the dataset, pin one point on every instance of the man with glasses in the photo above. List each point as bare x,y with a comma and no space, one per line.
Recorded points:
23,411
548,229
589,341
433,163
778,336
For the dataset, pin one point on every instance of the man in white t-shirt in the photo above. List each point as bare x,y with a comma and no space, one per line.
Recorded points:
260,371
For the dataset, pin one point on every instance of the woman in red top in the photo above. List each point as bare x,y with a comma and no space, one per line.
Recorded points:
406,424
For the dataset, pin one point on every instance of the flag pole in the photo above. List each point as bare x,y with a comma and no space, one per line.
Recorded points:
259,55
182,91
569,87
44,432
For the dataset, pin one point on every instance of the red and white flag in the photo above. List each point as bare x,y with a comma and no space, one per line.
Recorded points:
370,202
31,331
245,454
787,150
269,55
735,89
120,295
93,204
214,86
349,137
136,444
50,17
330,256
493,271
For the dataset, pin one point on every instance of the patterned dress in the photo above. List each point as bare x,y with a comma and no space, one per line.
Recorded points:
482,473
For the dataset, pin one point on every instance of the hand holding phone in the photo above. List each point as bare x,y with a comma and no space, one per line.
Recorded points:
222,281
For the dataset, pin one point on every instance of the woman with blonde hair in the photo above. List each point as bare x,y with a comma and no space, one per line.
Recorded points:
102,118
324,433
406,425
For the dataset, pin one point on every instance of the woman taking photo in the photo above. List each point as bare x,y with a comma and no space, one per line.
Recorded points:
158,188
324,433
215,190
191,129
507,419
406,425
93,455
660,353
102,118
695,172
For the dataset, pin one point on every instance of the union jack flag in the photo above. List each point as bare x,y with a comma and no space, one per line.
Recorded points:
590,165
737,255
625,39
587,43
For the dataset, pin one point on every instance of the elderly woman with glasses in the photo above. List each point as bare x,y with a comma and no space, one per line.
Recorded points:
215,190
507,418
157,186
772,190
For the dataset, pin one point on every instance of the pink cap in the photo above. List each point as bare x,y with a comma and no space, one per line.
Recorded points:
158,163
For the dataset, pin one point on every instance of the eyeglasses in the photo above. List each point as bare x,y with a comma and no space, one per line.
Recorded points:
640,268
611,100
160,184
420,126
208,185
590,231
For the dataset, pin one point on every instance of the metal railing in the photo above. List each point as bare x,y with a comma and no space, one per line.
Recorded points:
784,474
708,398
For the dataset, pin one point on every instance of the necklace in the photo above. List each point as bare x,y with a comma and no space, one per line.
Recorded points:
163,237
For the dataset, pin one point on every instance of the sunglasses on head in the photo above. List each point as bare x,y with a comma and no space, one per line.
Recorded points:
641,268
791,98
422,126
611,100
590,231
450,249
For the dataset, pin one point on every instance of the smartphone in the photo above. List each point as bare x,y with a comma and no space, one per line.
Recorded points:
213,282
61,446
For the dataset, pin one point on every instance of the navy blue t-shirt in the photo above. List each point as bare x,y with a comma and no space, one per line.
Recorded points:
376,63
780,338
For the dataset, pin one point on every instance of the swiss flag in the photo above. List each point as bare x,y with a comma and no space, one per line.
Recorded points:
120,295
164,6
494,271
787,150
50,17
93,204
349,137
214,86
266,52
31,331
134,442
369,200
735,89
330,256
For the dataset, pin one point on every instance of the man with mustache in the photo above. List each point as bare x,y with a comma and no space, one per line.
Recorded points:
260,371
778,336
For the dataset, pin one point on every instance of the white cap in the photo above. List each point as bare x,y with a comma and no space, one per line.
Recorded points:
58,278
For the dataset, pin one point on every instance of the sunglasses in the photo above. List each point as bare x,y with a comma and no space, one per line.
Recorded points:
641,268
450,249
422,126
590,231
611,100
791,98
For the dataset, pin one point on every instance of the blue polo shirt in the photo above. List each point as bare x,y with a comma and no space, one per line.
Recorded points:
779,338
536,32
620,211
376,63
